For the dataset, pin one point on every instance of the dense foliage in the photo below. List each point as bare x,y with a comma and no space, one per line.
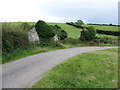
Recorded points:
13,37
44,30
88,34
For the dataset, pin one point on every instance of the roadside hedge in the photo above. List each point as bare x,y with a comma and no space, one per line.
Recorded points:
13,37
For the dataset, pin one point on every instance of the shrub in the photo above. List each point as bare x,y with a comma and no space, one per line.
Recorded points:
44,31
62,34
13,37
71,41
88,34
106,40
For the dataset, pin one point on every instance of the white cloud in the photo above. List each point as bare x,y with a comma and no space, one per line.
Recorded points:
25,10
33,10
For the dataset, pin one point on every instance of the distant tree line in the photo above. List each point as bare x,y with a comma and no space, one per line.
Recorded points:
103,24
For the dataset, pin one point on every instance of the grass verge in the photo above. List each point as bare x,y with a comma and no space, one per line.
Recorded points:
18,53
97,69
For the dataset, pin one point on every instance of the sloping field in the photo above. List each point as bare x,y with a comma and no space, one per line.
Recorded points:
73,32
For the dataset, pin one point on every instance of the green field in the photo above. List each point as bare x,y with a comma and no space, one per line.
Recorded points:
106,28
98,69
72,31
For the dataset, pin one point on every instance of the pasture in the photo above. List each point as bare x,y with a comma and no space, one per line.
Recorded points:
106,28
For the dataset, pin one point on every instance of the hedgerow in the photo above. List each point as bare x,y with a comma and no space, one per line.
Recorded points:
13,37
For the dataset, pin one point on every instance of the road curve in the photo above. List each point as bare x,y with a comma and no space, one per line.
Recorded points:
25,72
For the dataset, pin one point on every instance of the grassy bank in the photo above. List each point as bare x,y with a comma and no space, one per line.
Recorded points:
18,53
97,69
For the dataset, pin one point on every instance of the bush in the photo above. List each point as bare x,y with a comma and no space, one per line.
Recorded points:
106,40
62,34
71,41
44,32
13,37
88,34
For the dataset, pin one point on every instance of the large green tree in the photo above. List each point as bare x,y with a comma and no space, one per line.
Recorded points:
79,22
45,32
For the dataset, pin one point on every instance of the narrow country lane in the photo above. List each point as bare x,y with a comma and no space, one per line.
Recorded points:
26,71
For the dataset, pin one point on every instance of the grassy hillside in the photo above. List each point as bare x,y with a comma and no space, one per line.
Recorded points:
72,31
97,69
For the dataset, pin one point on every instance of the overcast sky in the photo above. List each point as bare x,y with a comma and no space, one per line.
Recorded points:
90,11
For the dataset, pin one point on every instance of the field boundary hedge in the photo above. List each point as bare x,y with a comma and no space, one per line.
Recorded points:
114,33
105,25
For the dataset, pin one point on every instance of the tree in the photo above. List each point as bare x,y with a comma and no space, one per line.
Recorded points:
79,22
44,31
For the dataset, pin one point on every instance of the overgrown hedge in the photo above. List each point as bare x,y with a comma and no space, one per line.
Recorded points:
13,37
